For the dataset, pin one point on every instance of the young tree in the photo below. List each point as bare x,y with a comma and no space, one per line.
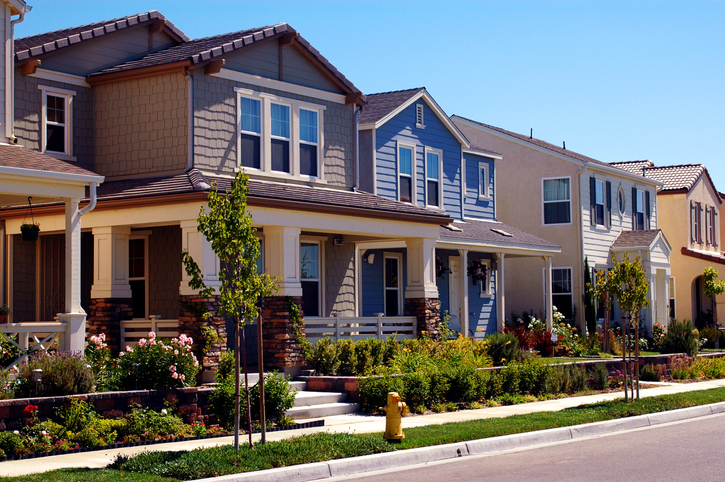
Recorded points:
603,289
228,227
590,308
712,289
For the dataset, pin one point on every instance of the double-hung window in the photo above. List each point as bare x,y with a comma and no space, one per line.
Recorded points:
309,142
561,291
280,115
250,125
640,209
57,121
557,201
405,169
310,277
433,178
599,202
483,180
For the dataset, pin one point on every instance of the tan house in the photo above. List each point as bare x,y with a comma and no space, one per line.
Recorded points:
593,210
689,205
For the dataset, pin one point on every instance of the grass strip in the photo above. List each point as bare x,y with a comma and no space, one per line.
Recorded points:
201,463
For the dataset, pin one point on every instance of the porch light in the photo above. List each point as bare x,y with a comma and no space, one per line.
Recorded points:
37,377
371,258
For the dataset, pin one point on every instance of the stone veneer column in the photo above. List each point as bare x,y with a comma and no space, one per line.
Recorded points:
421,292
428,313
105,317
191,307
281,350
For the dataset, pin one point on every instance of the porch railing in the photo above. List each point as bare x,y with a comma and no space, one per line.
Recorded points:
133,330
356,328
35,335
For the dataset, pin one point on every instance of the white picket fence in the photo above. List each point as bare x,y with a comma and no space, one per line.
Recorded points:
133,330
36,335
356,328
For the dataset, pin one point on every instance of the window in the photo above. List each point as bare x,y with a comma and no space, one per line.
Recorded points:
310,278
557,201
561,291
393,293
405,169
308,142
621,201
483,180
250,125
695,222
137,275
419,116
640,209
279,136
673,311
485,284
599,202
57,121
433,178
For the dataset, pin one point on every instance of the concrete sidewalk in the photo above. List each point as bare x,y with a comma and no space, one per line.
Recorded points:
340,423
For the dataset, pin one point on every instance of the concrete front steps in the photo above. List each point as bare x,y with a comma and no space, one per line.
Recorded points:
310,404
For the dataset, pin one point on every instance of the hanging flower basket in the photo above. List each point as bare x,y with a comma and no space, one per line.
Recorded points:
441,269
478,271
30,232
4,312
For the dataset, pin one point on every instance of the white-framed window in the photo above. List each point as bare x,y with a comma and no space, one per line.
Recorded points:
561,291
673,310
556,193
310,276
599,202
406,178
279,137
483,180
695,222
433,170
419,116
56,136
621,201
640,210
484,287
392,283
137,275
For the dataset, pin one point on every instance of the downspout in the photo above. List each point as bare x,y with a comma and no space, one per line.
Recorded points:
357,149
190,147
93,200
11,115
581,221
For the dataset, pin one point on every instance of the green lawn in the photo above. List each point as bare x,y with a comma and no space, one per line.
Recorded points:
325,446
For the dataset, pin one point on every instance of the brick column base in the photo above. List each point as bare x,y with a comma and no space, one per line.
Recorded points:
281,350
427,312
191,309
105,315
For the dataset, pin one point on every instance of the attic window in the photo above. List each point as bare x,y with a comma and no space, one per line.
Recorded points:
419,119
502,232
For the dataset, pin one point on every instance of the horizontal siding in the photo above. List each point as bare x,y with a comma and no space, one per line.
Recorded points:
106,51
474,207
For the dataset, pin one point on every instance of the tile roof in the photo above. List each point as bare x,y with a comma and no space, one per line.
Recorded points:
707,256
635,167
35,45
382,104
636,239
676,177
531,140
24,158
492,232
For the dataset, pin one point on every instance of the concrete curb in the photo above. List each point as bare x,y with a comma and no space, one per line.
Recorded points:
403,458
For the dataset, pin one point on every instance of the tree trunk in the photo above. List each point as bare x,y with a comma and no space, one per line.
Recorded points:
246,384
260,361
236,384
636,355
625,371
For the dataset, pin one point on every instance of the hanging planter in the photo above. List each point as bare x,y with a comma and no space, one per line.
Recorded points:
441,269
4,313
29,231
478,271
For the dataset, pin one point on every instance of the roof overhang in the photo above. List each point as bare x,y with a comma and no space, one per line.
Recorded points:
17,7
502,247
16,184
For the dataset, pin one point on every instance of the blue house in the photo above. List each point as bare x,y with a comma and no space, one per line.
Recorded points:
411,152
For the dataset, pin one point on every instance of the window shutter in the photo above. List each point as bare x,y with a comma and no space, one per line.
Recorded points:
692,222
634,208
699,224
609,203
647,209
714,227
592,201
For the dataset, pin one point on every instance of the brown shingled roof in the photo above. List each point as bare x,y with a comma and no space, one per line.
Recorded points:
382,104
33,46
636,239
24,158
492,232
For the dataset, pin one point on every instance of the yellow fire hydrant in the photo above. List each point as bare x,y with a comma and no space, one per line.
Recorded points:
395,410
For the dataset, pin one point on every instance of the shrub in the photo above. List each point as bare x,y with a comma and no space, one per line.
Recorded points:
416,389
10,443
9,351
154,364
324,357
6,385
348,357
711,334
650,373
680,338
369,353
466,385
149,425
222,403
541,341
522,333
567,379
102,363
599,377
278,396
225,368
74,415
373,391
64,373
532,377
502,348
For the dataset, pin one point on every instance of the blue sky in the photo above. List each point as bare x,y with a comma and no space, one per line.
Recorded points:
615,80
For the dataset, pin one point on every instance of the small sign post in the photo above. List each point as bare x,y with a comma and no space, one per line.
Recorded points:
554,340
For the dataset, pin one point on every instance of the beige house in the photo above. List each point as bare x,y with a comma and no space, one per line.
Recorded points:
593,210
689,205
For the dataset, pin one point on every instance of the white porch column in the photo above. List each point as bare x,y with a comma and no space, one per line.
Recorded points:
653,300
549,296
463,275
665,318
500,293
200,250
74,316
421,282
110,262
282,258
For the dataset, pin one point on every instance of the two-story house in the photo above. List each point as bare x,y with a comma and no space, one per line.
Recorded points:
593,210
689,206
411,152
163,118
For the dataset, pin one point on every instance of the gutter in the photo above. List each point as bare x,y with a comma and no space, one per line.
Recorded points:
580,231
357,149
10,116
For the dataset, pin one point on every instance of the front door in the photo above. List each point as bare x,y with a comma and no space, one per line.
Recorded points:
454,293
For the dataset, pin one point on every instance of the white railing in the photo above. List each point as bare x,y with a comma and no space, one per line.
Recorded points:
133,330
380,327
35,335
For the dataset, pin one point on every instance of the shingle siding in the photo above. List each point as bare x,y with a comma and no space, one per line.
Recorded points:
24,286
164,277
141,125
339,279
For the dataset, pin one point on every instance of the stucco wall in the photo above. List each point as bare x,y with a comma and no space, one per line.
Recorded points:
141,125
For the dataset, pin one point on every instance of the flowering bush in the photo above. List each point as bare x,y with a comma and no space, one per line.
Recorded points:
102,363
64,373
158,364
478,271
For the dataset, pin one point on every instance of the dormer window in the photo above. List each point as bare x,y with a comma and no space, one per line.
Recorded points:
419,119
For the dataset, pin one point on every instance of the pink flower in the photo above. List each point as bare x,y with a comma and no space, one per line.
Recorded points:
172,368
174,375
176,352
152,335
142,342
121,353
182,377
